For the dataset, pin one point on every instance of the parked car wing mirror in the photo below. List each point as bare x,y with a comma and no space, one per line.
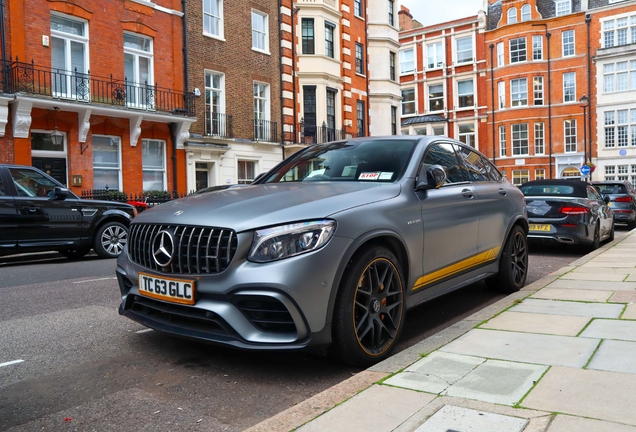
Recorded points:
60,193
430,177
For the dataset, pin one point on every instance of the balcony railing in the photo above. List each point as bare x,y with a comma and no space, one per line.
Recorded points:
265,130
312,134
218,125
19,77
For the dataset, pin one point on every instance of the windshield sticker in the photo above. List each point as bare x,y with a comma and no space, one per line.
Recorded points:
369,175
386,175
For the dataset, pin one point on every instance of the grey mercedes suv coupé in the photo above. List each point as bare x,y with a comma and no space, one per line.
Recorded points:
328,249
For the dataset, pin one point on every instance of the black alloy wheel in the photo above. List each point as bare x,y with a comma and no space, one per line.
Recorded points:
513,264
370,309
596,243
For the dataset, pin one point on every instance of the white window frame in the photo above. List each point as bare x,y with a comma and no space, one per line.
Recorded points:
209,91
519,89
562,7
209,17
537,47
465,94
413,102
518,51
619,30
407,63
67,89
501,94
503,151
526,13
260,35
569,87
467,137
144,144
520,139
435,55
501,56
263,114
539,138
357,8
136,98
457,51
115,140
247,179
569,136
568,43
511,16
442,98
538,90
520,177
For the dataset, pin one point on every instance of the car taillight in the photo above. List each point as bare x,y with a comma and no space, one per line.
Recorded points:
574,210
623,199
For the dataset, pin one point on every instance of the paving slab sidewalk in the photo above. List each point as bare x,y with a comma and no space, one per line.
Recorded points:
565,344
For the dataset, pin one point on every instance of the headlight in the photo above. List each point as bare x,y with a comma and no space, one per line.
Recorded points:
271,244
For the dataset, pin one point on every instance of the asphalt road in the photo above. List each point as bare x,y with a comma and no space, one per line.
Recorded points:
86,368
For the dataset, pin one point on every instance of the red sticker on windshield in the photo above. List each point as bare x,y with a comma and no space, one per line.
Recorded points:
369,176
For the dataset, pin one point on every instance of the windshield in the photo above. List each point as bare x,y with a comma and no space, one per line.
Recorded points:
361,160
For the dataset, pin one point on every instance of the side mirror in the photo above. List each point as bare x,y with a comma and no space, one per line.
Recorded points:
60,193
430,177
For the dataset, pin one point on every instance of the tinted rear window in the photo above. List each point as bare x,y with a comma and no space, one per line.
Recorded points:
547,190
611,189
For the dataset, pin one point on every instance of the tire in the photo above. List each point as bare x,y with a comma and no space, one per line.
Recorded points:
513,263
631,225
369,310
611,235
75,254
597,238
110,240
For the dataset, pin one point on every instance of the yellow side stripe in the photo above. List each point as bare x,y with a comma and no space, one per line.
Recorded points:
473,261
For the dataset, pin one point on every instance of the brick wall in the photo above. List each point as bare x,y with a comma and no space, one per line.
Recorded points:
235,58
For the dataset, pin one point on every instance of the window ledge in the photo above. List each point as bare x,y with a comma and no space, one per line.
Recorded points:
213,36
261,51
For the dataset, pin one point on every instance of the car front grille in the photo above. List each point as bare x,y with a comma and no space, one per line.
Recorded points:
198,250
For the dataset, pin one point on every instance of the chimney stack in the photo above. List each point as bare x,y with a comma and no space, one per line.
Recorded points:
406,19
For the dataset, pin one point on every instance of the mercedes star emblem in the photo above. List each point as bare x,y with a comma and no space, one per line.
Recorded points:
163,248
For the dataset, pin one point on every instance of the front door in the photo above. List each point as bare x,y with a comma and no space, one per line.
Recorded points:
55,167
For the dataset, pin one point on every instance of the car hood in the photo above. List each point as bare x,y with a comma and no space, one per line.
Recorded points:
257,206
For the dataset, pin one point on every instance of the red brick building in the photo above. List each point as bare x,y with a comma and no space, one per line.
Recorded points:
538,74
442,75
93,92
339,70
234,66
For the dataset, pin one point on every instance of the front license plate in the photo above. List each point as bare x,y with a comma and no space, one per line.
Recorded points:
539,227
170,290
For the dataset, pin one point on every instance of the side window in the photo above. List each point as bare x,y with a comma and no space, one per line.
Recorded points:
593,194
30,183
1,185
444,154
473,163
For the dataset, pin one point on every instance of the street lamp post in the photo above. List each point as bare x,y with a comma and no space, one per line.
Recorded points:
585,103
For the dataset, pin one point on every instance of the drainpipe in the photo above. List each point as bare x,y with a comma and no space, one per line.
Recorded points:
280,74
3,35
588,20
174,127
494,105
548,35
186,77
367,106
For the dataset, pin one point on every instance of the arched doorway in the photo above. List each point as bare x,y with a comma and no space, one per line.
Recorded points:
571,173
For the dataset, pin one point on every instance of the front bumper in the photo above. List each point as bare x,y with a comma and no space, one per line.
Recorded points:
278,305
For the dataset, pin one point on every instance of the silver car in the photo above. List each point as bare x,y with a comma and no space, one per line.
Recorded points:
329,248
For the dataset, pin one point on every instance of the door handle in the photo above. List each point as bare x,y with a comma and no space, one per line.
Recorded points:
503,192
467,193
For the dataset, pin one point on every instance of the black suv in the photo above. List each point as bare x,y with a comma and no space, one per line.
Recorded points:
39,214
622,200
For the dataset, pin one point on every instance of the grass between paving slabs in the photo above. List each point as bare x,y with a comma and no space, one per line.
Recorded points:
534,384
593,354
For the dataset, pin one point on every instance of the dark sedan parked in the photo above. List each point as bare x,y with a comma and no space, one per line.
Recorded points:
622,200
39,214
331,247
567,211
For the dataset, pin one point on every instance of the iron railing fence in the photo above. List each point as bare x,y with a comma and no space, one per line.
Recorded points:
265,130
20,77
218,125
